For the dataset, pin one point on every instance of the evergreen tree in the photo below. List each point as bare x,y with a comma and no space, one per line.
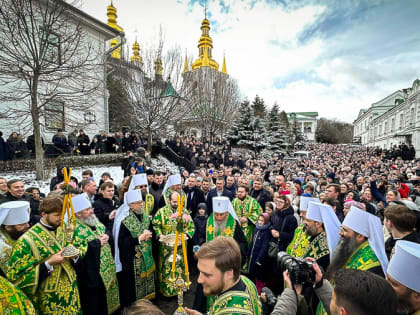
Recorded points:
259,132
276,133
242,129
258,107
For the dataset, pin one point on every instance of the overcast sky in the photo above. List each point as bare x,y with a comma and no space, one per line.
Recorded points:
330,56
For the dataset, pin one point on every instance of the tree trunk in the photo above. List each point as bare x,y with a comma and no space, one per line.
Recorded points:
149,140
39,151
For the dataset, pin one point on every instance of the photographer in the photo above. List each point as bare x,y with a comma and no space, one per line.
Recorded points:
353,293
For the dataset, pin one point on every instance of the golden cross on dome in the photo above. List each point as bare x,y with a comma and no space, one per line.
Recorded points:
205,11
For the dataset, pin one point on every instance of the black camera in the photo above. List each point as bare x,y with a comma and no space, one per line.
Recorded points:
300,270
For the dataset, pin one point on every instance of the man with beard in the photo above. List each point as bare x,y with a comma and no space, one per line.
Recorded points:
205,187
96,275
14,218
259,193
247,209
133,250
322,227
361,246
139,181
219,263
38,268
165,223
404,277
222,222
300,242
173,184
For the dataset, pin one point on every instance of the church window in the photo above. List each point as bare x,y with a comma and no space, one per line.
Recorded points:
307,127
54,115
401,121
52,44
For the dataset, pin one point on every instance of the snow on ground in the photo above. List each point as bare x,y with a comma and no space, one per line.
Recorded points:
116,172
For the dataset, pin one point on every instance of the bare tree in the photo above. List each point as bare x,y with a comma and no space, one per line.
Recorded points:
48,65
213,98
155,91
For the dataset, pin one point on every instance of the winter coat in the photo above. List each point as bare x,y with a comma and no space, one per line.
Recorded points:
95,147
103,207
16,148
126,144
262,196
290,225
72,140
257,251
199,237
81,141
60,142
2,149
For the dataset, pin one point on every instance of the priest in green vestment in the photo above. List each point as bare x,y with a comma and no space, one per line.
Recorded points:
223,221
361,246
14,221
38,268
97,277
133,250
247,209
13,300
165,223
219,263
139,181
300,242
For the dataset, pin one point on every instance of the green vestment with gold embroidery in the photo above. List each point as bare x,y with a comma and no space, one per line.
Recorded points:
163,224
250,209
238,302
82,236
299,242
363,258
149,203
58,293
211,233
13,301
305,247
144,265
6,246
229,230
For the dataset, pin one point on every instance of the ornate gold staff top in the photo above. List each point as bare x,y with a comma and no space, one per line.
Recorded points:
68,211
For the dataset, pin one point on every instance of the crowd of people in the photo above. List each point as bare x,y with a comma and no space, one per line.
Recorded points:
76,142
333,233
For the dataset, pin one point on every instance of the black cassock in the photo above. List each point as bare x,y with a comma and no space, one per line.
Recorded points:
200,300
91,287
126,277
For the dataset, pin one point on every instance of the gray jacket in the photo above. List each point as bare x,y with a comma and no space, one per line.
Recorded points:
287,303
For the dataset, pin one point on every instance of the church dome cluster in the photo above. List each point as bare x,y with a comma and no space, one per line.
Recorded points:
205,47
